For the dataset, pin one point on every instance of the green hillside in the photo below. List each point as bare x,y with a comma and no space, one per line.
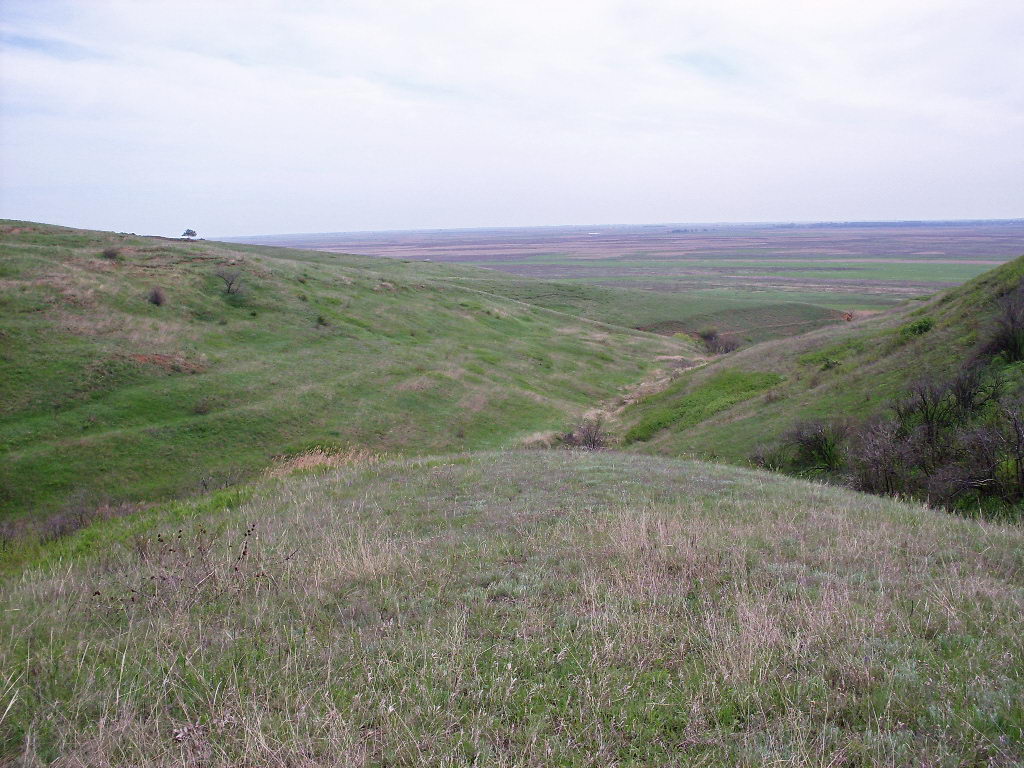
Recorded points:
749,319
105,395
523,608
850,371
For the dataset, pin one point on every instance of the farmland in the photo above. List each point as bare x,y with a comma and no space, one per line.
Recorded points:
851,266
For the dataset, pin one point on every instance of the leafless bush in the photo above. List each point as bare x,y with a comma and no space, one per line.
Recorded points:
981,451
590,434
967,389
1011,414
946,484
880,457
928,403
1007,334
232,280
157,296
112,253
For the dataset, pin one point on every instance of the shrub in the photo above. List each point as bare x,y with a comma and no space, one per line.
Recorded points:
1011,434
973,388
716,343
768,457
917,328
590,434
157,296
232,280
927,404
1007,334
817,445
112,254
321,321
879,457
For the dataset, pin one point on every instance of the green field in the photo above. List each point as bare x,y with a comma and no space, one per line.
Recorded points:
794,277
750,316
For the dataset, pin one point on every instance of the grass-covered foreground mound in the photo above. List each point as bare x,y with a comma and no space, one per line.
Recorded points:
545,608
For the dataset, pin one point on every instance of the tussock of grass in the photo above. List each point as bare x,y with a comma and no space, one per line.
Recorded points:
712,396
537,608
321,458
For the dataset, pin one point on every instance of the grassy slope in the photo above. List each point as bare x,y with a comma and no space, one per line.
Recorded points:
541,608
871,361
748,317
103,394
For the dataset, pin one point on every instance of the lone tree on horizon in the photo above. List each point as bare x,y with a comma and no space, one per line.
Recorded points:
189,233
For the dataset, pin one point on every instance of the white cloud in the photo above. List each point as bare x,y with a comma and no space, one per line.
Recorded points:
245,117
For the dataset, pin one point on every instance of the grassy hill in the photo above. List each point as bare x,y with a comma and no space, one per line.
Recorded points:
530,608
374,605
105,395
750,398
665,312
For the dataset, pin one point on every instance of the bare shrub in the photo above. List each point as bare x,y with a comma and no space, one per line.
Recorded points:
590,434
232,280
112,254
157,296
880,457
980,451
927,404
967,389
1011,431
971,468
1007,334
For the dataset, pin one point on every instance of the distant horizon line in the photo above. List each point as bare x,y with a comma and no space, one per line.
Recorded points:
776,223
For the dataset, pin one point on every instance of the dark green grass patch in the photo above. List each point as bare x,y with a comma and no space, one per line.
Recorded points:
712,396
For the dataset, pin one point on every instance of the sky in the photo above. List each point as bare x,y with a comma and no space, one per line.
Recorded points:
256,117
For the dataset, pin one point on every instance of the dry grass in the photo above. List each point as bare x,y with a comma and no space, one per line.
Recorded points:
322,458
529,609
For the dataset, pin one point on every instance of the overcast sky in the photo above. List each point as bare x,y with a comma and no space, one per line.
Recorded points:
267,117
